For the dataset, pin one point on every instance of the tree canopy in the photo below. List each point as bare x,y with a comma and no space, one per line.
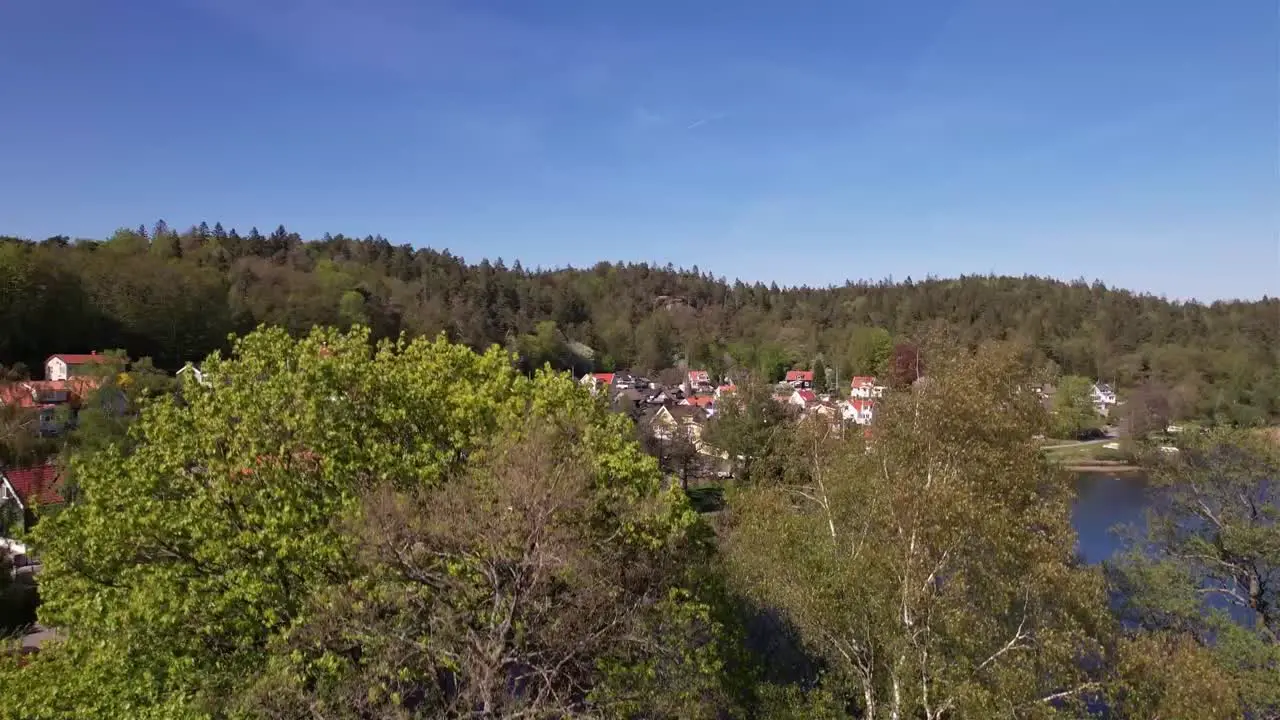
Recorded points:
931,568
314,496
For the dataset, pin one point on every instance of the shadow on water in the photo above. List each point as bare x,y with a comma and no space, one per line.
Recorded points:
1107,503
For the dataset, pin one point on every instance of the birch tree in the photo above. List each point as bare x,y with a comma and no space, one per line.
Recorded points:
932,567
1206,573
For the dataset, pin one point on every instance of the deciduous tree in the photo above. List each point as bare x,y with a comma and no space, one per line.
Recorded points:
222,543
1207,569
932,570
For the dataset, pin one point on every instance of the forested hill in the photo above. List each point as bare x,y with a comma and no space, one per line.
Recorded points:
175,296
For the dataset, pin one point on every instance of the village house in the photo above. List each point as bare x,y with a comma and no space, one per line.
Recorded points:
705,402
824,410
63,366
865,387
30,486
1103,396
697,381
803,398
670,421
725,390
595,381
684,421
799,379
859,411
54,401
190,370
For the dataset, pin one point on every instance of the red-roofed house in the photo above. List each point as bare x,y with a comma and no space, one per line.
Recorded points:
63,366
46,396
696,381
725,390
859,411
800,378
31,486
702,401
865,388
803,398
595,381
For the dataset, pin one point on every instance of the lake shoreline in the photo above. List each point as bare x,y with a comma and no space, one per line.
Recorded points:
1103,466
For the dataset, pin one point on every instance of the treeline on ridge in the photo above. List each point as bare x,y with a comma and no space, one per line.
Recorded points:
175,296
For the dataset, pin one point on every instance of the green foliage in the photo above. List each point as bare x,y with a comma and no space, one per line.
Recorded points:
1074,414
932,570
1218,361
1205,572
820,384
757,433
218,544
870,349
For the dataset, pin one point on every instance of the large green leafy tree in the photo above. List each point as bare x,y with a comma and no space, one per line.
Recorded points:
932,571
755,431
1207,570
1073,412
233,532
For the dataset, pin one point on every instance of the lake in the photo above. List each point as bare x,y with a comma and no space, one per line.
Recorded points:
1102,502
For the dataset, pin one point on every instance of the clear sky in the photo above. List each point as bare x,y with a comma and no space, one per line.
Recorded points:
1136,142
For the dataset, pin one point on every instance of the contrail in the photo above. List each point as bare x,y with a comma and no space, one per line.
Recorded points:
704,121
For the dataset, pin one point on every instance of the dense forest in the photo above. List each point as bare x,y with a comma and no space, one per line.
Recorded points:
175,296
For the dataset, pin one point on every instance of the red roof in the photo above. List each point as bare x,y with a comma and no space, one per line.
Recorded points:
699,376
807,395
73,359
701,401
606,378
799,376
17,394
860,405
23,394
39,483
863,381
727,388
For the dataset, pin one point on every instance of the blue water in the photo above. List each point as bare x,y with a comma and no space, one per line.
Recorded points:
1102,503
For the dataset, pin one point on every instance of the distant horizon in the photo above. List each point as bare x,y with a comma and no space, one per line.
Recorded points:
662,264
1135,142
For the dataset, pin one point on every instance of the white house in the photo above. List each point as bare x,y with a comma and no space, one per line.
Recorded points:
61,367
859,411
799,378
194,372
803,398
1103,395
865,387
595,381
696,381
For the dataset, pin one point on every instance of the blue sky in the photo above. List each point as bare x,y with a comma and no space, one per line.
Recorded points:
1134,142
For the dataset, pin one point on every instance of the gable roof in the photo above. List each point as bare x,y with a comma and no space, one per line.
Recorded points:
38,484
799,376
26,394
606,378
860,405
699,376
701,401
862,381
807,395
19,394
687,413
78,359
